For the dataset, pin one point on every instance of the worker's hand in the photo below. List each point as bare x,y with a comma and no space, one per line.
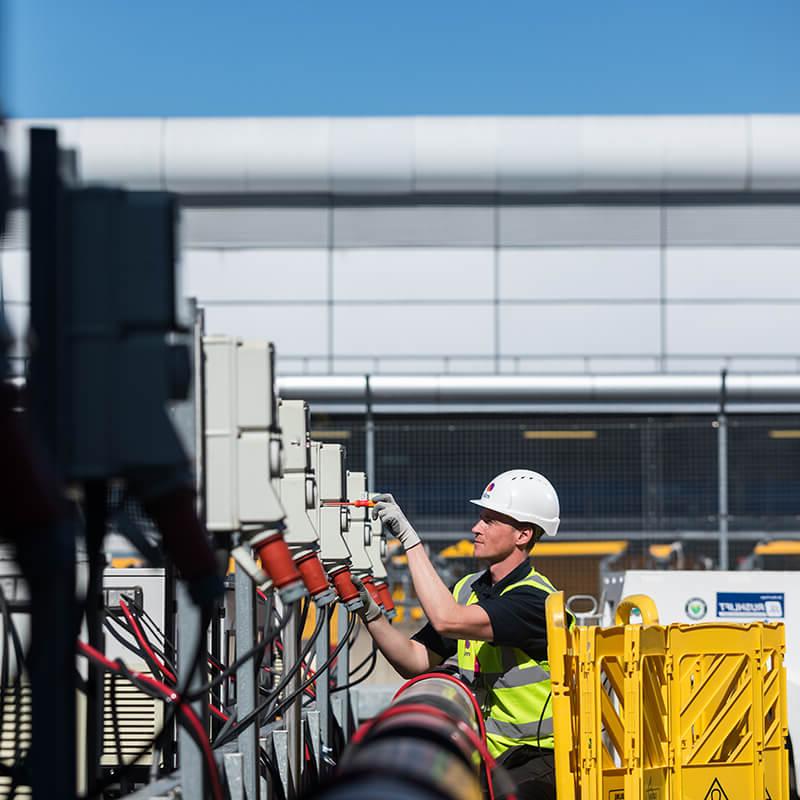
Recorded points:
369,610
394,520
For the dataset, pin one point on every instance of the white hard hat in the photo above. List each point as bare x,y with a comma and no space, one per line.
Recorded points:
525,496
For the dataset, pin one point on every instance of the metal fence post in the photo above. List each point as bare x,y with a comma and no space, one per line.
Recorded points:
189,629
246,681
722,465
369,436
293,717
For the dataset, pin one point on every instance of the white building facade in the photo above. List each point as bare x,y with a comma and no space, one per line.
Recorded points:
472,245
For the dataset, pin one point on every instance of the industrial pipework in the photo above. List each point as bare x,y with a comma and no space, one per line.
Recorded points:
428,744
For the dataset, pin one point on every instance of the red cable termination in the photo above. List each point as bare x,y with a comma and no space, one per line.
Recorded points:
386,599
314,577
370,586
345,588
277,562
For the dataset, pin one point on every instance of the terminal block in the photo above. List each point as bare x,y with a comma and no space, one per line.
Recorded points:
244,458
298,493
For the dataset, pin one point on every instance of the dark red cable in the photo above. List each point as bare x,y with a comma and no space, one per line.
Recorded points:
171,696
140,637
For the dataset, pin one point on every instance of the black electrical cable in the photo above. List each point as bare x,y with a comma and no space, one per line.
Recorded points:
256,712
133,646
115,719
373,659
196,694
287,701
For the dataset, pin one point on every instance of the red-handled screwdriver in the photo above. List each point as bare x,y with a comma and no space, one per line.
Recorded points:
355,503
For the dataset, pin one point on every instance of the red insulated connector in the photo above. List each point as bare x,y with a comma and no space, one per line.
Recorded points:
343,583
369,585
311,571
277,561
386,599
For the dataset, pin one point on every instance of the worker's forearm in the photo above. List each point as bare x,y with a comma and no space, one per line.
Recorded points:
408,657
437,602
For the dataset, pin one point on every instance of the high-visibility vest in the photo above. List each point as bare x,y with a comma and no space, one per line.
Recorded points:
512,688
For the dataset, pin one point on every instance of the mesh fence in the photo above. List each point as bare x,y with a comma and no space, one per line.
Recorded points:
651,481
613,476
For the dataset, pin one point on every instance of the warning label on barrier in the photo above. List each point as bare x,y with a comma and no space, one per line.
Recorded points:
750,605
716,792
616,794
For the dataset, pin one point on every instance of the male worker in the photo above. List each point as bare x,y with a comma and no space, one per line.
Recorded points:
493,622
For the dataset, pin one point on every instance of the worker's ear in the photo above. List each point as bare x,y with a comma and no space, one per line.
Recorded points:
525,537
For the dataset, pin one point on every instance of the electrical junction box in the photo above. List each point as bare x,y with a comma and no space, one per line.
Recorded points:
116,300
328,460
243,447
297,487
376,550
359,534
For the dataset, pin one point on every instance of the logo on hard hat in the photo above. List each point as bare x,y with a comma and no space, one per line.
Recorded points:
488,489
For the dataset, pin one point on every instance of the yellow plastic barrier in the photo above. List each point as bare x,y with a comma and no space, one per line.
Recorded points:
677,712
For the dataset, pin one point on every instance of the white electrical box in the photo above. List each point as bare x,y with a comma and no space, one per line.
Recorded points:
297,490
360,533
243,447
328,460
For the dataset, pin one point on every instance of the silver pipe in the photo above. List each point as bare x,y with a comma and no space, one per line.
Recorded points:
684,388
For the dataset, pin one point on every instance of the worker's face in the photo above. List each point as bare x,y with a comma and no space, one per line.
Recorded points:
497,536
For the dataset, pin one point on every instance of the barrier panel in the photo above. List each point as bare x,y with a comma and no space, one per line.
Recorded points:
679,712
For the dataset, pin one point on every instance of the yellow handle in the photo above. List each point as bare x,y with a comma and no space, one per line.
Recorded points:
644,604
554,610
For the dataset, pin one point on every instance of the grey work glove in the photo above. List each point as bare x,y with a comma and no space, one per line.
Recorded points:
394,520
370,610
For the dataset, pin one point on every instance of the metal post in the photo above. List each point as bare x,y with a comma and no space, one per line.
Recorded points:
189,629
169,752
246,683
369,435
95,509
722,463
53,601
343,674
323,692
294,728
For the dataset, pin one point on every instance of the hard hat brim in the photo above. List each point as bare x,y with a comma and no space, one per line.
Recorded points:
545,525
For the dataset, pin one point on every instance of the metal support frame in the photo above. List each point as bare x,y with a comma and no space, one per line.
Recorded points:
323,691
95,507
53,602
342,698
246,681
369,436
189,639
722,464
294,728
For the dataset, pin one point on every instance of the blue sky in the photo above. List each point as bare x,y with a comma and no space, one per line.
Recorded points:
143,57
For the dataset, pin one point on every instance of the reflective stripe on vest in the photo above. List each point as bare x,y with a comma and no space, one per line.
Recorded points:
512,688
